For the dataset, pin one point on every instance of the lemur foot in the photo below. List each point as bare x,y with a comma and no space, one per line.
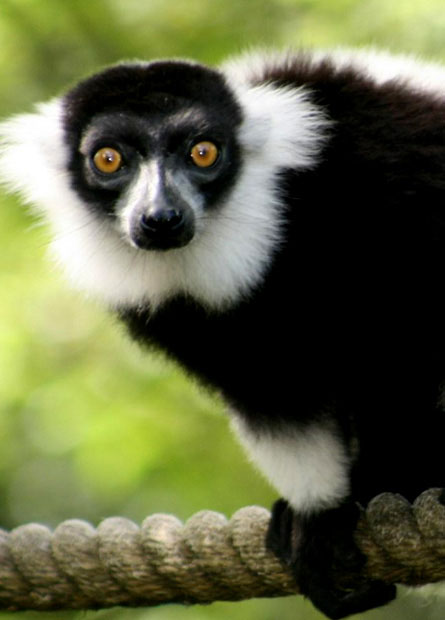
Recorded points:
325,560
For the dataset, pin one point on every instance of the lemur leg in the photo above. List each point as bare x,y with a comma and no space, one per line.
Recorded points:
320,549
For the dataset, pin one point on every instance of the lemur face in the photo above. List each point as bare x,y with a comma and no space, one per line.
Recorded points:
157,161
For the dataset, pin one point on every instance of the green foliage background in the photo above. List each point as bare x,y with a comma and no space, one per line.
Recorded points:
90,426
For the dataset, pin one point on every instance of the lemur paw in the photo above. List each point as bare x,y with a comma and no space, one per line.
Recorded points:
325,560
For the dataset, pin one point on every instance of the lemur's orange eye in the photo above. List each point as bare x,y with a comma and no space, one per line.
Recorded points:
107,160
204,154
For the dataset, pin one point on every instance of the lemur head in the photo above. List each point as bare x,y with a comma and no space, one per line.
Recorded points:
161,178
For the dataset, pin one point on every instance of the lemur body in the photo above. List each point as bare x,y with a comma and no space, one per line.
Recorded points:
278,228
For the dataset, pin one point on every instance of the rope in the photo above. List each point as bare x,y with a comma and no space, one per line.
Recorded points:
206,559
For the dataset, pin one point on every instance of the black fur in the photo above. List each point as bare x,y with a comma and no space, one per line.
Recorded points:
348,322
348,319
155,87
328,557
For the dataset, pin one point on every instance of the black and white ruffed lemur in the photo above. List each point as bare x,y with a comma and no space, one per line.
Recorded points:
277,226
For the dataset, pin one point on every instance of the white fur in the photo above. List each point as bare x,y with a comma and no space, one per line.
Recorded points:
378,65
234,244
146,184
309,466
383,67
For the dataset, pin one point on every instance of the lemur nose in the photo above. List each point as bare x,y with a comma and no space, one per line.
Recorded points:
163,228
162,221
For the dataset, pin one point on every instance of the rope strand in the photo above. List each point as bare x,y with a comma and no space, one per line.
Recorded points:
206,559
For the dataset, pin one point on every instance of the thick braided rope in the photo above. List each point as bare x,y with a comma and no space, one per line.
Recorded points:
207,559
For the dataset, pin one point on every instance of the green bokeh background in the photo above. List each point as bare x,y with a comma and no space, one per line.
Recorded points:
90,426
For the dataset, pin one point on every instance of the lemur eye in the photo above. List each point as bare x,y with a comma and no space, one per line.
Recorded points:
107,160
204,154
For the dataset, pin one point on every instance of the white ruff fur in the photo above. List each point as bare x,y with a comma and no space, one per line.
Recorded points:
232,247
309,467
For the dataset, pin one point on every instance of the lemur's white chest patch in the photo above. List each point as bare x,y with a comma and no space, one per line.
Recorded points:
308,466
